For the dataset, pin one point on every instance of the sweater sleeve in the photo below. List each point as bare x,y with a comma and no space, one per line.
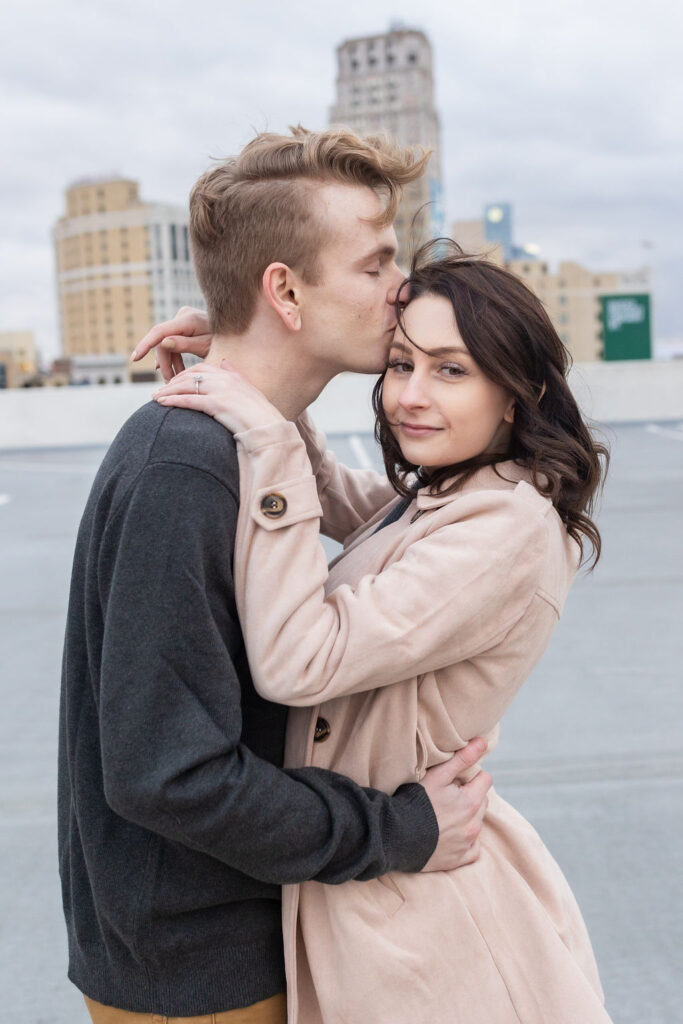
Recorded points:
452,594
349,498
170,707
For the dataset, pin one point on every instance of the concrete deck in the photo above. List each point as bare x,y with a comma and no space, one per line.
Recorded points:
591,751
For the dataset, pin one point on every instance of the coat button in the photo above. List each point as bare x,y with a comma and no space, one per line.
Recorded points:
273,506
322,730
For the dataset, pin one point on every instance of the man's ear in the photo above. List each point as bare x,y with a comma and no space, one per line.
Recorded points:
282,292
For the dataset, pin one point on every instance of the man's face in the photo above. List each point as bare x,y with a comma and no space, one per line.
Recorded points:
348,316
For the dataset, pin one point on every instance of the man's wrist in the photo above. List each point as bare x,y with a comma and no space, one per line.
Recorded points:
411,830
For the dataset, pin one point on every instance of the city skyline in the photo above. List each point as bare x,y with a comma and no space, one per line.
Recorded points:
571,119
120,263
385,83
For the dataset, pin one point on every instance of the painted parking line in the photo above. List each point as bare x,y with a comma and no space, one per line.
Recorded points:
673,433
47,467
544,771
5,499
360,451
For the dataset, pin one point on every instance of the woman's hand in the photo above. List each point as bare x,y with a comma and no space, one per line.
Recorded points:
188,331
222,393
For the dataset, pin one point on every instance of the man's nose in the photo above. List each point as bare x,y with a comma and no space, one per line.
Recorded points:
397,279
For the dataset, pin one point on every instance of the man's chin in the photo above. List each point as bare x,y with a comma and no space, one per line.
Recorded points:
367,369
380,367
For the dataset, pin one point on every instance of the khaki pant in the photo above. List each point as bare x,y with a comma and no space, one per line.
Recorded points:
268,1011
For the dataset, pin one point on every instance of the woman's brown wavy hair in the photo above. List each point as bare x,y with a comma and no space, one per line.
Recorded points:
509,335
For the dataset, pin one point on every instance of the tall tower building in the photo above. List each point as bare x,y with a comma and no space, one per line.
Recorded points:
122,265
385,83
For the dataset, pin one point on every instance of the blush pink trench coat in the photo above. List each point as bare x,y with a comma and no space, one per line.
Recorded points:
416,640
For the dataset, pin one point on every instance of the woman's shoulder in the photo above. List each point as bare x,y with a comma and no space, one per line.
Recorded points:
506,502
506,477
506,486
509,489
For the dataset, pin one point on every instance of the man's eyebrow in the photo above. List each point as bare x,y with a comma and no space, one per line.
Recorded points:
389,251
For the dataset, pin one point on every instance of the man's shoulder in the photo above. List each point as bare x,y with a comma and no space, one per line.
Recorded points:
181,437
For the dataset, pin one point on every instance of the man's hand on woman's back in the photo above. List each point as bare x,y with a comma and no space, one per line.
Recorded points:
459,808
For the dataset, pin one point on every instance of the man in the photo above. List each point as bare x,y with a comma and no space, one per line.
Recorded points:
177,823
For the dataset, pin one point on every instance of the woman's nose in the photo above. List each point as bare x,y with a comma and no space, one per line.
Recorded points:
413,394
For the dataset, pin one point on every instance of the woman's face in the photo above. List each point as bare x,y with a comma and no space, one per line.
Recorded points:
441,407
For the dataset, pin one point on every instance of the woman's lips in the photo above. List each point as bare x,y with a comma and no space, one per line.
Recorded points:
417,430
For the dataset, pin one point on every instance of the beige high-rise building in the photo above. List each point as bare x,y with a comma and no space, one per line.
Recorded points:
571,295
122,265
18,359
385,83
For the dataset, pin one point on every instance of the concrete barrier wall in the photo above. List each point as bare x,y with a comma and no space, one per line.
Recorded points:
75,416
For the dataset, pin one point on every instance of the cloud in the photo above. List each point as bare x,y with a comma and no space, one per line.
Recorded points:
570,111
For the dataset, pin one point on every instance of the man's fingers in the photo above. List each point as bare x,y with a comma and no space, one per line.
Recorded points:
475,825
472,853
469,755
463,759
478,788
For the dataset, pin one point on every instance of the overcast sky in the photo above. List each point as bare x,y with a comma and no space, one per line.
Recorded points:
571,110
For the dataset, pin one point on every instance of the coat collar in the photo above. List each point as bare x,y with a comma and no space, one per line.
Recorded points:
504,477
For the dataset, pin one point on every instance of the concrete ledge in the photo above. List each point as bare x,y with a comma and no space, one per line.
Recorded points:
81,416
629,392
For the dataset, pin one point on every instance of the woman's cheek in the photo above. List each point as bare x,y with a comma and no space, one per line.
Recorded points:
388,403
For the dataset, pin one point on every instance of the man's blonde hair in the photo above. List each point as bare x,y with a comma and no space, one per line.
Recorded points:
257,208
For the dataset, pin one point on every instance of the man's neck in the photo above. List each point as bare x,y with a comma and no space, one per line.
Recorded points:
275,365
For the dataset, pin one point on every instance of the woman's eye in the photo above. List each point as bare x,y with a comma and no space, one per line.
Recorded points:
453,371
400,366
373,273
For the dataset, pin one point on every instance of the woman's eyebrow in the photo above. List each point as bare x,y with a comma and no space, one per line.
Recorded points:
444,350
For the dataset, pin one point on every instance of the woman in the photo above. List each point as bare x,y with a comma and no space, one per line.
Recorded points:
418,638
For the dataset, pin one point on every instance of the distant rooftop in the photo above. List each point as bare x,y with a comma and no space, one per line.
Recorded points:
98,179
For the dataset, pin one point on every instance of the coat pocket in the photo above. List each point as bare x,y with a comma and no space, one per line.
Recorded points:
388,893
420,755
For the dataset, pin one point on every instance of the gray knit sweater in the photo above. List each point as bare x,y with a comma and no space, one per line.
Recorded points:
177,824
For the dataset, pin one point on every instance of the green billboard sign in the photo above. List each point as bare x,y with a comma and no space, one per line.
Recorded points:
626,330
